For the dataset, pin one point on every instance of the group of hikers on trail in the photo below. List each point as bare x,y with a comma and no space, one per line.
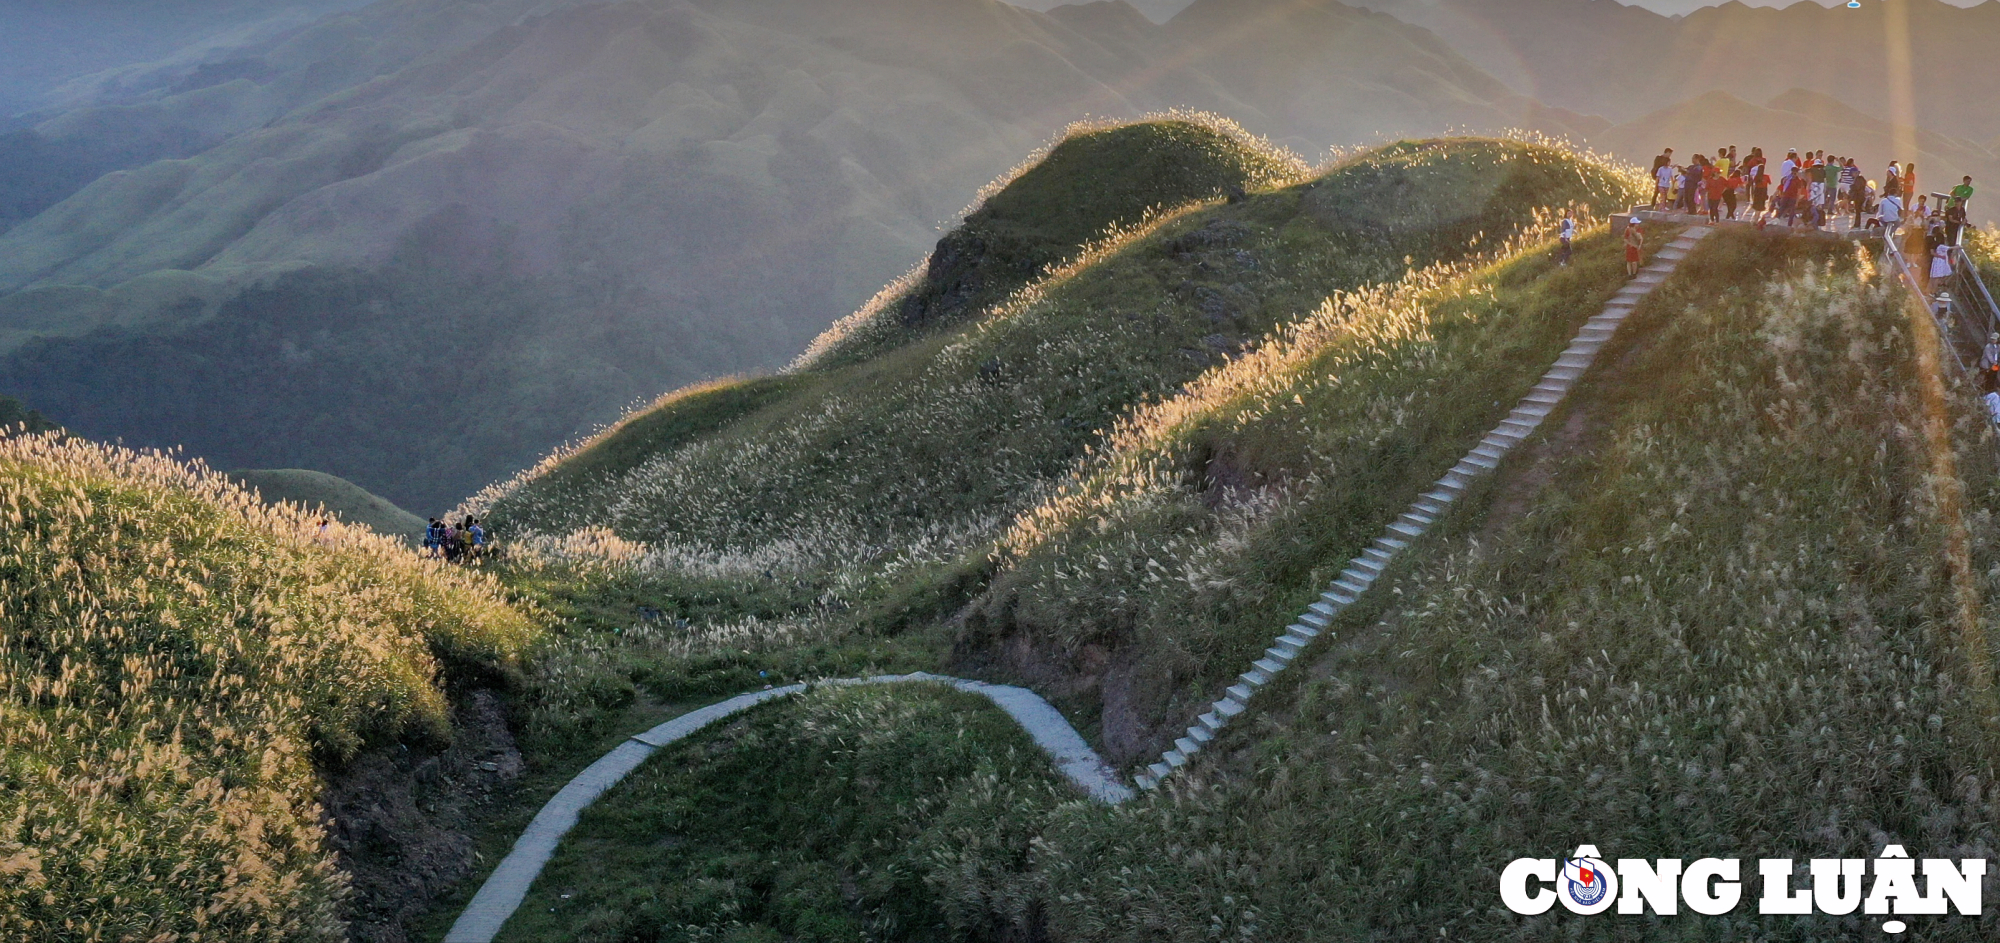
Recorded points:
456,543
1813,189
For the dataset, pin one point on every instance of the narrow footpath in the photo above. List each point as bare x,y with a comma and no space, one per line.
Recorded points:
1363,570
508,885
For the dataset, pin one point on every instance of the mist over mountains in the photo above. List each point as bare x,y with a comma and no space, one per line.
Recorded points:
431,239
416,243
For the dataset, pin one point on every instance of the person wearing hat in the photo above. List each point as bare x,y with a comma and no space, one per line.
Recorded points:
1989,364
1635,243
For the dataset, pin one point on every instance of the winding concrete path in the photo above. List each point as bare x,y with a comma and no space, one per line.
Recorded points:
508,885
1363,570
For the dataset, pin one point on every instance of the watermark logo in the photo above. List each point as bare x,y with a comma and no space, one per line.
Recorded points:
1589,886
1585,883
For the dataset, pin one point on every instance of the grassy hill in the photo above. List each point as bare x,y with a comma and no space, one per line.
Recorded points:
843,459
184,671
1731,597
314,491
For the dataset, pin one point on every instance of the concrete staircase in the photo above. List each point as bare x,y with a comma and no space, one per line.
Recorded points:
1363,571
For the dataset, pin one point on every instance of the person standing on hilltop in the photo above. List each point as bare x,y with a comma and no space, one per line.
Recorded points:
1759,178
1961,195
1910,184
1635,245
1718,191
1663,184
1892,182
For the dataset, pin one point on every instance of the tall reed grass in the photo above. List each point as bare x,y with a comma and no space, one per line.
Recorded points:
179,666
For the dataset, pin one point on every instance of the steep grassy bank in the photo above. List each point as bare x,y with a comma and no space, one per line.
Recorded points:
1210,520
1715,611
181,670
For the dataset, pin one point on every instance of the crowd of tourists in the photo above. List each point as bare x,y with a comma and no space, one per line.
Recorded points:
464,542
1813,189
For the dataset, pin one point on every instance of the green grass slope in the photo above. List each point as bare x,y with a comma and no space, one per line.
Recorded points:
832,816
181,669
314,491
1733,601
934,442
1095,181
1209,521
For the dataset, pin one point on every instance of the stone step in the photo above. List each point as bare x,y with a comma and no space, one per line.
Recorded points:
1269,666
1229,707
1291,644
1188,746
1575,360
1485,463
1321,612
1563,373
1489,451
1352,586
1281,654
1174,758
1241,692
1427,506
1442,496
1373,566
1212,721
1360,573
1303,633
1541,398
1406,530
1159,771
1557,388
1256,677
1201,735
1380,556
1391,543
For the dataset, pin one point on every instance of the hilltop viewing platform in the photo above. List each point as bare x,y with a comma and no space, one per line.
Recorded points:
1840,230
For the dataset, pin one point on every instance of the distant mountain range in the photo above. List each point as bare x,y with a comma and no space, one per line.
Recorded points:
415,244
1925,63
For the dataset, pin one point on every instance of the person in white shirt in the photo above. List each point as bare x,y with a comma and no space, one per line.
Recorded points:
1664,184
1889,215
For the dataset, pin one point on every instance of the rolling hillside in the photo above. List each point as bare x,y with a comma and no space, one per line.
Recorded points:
1734,598
943,431
1731,596
316,491
497,224
187,676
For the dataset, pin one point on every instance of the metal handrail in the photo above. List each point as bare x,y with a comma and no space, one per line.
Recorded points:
1963,265
1946,336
